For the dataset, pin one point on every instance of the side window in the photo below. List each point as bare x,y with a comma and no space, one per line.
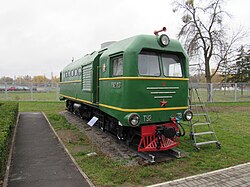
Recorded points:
117,66
148,64
75,72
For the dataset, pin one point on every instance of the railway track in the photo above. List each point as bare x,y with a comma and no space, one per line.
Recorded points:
109,145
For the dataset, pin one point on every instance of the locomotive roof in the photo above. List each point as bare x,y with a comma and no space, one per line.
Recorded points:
139,42
84,60
133,44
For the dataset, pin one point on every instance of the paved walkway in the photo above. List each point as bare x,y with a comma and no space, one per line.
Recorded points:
233,176
39,159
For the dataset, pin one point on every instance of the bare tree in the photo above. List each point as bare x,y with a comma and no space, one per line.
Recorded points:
204,34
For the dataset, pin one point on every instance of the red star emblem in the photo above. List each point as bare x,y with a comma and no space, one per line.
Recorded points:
163,103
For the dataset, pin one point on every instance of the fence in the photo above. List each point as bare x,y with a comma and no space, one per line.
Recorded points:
218,92
29,92
223,92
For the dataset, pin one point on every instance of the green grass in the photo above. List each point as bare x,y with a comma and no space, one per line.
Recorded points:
28,96
227,96
232,128
44,106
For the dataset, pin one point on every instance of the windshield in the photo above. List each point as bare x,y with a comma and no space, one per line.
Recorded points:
171,66
149,64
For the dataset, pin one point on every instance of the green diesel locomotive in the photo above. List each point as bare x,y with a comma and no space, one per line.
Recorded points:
137,87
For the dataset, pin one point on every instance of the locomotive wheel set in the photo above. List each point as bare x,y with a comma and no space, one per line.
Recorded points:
137,87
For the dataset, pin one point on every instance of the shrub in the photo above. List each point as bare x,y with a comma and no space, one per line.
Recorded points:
8,116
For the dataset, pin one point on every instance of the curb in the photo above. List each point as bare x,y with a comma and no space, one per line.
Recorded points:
199,175
7,171
67,151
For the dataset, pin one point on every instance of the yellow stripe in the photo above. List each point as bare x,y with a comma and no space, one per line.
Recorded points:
131,78
144,78
144,110
129,110
67,82
76,99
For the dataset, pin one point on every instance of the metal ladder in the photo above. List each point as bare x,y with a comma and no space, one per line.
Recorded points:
201,129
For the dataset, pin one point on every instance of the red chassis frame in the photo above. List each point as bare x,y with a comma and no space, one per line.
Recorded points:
149,138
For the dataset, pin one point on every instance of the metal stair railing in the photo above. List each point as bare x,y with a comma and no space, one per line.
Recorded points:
201,129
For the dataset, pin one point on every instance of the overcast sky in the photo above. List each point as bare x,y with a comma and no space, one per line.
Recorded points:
38,37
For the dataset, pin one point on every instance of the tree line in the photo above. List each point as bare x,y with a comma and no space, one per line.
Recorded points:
29,79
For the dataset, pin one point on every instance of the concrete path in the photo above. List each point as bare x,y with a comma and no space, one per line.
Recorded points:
233,176
39,159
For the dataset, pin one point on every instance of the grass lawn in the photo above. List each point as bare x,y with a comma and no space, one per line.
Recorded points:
28,96
232,128
225,96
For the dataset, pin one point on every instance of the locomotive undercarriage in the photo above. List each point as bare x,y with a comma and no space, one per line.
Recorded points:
105,121
154,137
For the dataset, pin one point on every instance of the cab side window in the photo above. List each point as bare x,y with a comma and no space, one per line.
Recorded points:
117,66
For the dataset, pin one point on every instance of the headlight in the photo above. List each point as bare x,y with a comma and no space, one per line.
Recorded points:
133,119
188,115
163,40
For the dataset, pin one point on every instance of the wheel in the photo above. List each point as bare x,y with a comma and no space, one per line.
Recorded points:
119,136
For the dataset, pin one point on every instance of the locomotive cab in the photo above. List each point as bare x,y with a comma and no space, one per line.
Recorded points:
143,78
136,86
145,85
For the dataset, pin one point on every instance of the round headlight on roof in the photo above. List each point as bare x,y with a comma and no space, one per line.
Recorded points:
163,40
